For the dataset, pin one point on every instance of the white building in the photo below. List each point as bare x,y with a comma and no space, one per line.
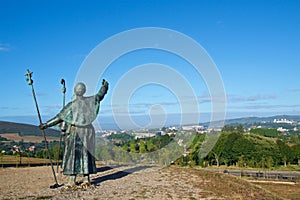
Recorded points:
285,121
143,135
280,129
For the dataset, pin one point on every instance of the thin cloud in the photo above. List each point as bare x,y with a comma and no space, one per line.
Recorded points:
220,24
38,94
294,90
5,47
54,106
258,97
105,111
256,106
205,98
10,108
130,112
145,105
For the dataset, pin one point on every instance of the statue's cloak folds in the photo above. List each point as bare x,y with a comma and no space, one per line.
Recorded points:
80,112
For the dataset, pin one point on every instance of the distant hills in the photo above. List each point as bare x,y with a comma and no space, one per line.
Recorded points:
252,120
32,130
246,120
25,129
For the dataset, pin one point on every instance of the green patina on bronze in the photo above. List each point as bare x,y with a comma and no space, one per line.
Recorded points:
78,116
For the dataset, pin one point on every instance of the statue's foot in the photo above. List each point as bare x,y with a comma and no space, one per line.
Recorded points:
85,184
70,186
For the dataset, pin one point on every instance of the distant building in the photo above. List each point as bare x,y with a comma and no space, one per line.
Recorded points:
159,133
16,148
196,128
173,128
284,121
280,129
31,148
214,130
105,133
143,135
187,128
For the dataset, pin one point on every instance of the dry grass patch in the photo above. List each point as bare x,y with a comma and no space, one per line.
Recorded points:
24,160
35,139
282,190
221,185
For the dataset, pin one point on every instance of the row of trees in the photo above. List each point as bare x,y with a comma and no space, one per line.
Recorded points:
251,150
159,149
261,148
146,144
267,132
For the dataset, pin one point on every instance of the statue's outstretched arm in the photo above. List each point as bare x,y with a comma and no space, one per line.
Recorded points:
52,122
103,90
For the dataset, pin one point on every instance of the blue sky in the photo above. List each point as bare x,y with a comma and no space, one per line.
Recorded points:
254,44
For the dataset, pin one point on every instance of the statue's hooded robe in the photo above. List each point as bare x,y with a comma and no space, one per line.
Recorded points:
80,133
80,112
80,140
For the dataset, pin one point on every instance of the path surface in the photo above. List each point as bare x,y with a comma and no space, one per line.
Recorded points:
130,182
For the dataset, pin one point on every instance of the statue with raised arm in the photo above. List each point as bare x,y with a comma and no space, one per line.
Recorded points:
77,117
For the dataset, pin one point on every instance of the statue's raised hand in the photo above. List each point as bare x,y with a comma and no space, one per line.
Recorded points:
104,83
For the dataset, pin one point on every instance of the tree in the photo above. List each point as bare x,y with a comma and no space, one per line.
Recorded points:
240,128
267,132
241,161
251,162
294,139
228,128
54,152
133,146
1,158
41,154
269,162
150,146
285,151
142,147
217,158
263,162
195,151
296,153
125,147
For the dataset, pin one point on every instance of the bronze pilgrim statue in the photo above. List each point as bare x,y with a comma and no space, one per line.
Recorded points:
77,117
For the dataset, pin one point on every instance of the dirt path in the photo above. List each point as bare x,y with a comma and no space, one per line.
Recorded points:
130,182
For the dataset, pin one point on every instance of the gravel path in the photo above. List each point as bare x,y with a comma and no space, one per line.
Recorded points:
127,182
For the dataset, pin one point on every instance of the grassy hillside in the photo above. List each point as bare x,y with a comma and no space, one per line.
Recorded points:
247,150
25,129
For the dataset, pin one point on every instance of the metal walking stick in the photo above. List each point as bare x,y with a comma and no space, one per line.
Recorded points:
30,82
64,102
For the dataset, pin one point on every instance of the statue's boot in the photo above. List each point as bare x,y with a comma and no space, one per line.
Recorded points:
71,182
86,181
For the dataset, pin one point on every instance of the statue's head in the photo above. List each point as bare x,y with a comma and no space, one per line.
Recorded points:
79,89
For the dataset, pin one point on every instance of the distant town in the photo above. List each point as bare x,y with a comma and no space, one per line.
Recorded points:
274,135
282,125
